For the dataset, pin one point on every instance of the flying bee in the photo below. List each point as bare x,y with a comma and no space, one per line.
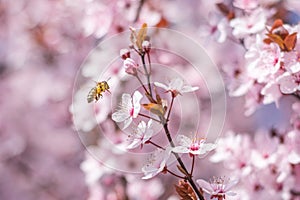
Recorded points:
96,92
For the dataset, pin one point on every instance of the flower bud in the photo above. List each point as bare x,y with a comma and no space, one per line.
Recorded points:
146,46
130,66
124,53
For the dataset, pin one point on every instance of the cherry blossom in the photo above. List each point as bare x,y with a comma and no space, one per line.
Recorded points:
218,187
289,83
141,135
156,163
262,60
176,86
252,24
192,146
245,4
128,109
215,28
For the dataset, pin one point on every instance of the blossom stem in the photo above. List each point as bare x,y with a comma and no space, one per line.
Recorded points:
147,73
169,112
193,164
140,114
158,146
189,178
149,61
142,84
139,10
176,175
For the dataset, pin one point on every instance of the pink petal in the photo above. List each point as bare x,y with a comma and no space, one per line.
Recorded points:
205,186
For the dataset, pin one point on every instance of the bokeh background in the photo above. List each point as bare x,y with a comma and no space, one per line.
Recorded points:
43,44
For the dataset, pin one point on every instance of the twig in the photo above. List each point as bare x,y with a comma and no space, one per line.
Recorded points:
189,178
158,146
140,114
176,175
138,12
147,74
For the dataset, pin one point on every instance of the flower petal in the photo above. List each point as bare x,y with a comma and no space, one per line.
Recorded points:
188,88
231,184
127,122
205,186
176,84
287,84
180,149
161,85
135,143
137,96
184,140
119,116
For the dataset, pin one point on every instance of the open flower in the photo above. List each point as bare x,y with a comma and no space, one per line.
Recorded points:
218,187
289,83
141,135
192,146
128,109
156,163
176,86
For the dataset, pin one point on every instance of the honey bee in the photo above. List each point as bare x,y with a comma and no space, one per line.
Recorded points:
96,92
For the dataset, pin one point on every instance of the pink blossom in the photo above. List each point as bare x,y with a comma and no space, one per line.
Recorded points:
262,60
156,163
292,61
289,83
245,4
252,24
218,187
192,146
215,28
128,109
176,86
141,134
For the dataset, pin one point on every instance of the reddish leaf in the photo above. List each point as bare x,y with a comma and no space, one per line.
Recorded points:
185,191
290,41
277,23
277,39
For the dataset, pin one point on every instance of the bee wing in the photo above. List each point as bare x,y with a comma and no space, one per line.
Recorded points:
91,95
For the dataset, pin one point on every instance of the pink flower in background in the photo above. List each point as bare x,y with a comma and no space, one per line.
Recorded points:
262,60
216,28
292,61
264,152
245,4
249,24
193,146
128,109
176,86
289,83
218,187
140,135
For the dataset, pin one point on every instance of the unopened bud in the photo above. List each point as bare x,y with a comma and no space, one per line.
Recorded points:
130,66
146,46
124,53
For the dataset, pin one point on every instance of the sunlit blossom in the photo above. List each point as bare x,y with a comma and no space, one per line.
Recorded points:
218,187
156,163
193,146
140,135
176,86
128,109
